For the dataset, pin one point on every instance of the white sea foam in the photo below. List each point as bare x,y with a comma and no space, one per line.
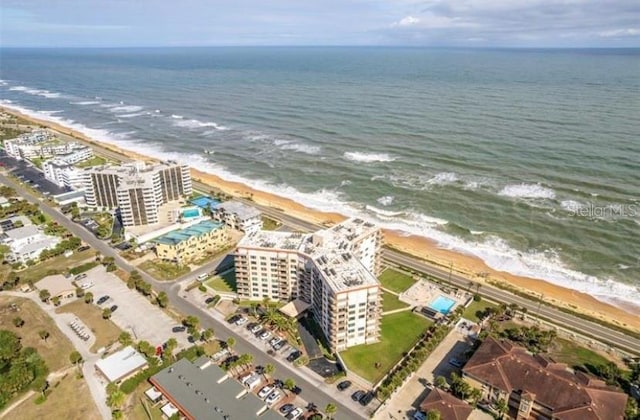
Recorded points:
3,82
85,103
300,147
528,191
37,92
477,232
345,182
572,206
126,108
368,157
494,251
133,115
195,124
384,214
177,117
443,178
386,200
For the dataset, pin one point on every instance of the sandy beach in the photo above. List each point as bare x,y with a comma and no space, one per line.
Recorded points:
423,248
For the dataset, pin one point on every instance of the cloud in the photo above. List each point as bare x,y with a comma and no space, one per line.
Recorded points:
619,32
407,21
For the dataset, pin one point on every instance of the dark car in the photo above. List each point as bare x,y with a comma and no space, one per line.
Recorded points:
285,409
366,398
102,300
356,396
179,328
344,385
234,319
279,345
83,248
296,390
209,300
114,308
295,355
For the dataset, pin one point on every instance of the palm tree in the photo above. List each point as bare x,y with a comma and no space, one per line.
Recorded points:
44,334
475,395
523,312
289,383
88,297
116,399
433,415
330,410
440,382
269,369
18,322
502,407
230,342
106,313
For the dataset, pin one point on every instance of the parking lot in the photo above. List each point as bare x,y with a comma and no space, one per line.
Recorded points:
134,312
30,175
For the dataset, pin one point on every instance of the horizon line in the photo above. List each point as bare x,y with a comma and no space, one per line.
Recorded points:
478,47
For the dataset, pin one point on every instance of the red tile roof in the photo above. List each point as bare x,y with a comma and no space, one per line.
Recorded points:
449,407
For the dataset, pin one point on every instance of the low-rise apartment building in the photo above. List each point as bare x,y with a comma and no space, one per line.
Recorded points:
13,146
239,216
186,245
535,386
333,270
64,174
27,243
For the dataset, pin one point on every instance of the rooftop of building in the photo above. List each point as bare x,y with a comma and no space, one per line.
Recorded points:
569,395
46,243
241,210
199,229
22,232
449,407
121,363
204,391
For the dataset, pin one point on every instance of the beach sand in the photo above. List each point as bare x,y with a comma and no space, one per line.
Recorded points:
475,269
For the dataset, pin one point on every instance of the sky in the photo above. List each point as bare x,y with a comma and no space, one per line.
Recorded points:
462,23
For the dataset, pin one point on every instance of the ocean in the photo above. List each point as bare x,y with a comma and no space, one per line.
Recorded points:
528,159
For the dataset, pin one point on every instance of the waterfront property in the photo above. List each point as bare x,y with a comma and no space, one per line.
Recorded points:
186,245
535,386
334,270
239,216
202,390
121,365
433,300
205,202
27,243
449,407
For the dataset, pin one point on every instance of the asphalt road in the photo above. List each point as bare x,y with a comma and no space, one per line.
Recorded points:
310,392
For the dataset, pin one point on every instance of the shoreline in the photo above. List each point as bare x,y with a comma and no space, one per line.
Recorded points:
626,314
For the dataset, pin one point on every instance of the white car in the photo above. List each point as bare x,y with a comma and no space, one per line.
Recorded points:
273,397
255,328
241,321
265,335
294,414
266,391
275,340
243,379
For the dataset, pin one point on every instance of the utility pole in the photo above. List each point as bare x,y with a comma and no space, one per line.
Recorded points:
539,304
450,270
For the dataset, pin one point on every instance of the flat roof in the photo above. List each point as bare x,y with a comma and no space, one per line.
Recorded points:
121,363
205,202
177,236
22,232
203,391
243,211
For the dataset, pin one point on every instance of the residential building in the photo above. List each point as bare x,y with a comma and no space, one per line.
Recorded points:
26,243
448,406
202,390
239,216
64,174
13,146
191,243
333,270
537,387
42,146
137,189
121,365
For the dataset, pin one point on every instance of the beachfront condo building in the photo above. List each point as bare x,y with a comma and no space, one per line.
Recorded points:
63,174
334,271
137,189
192,243
239,216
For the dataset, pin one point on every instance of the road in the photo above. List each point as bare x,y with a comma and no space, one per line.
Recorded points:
310,390
553,315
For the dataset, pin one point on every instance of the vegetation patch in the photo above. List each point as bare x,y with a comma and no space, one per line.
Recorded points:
164,270
574,355
476,309
105,331
94,161
390,302
224,282
399,332
395,280
270,224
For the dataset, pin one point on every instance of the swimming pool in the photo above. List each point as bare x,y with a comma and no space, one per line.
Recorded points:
442,304
190,213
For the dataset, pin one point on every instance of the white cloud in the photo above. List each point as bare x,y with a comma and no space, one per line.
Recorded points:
407,21
619,32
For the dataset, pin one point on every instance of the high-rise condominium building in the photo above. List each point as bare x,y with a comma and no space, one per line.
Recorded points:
137,189
333,270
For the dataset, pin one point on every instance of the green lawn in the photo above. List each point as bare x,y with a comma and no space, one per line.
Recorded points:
391,302
164,270
399,332
395,280
270,224
94,161
57,265
470,312
225,282
565,351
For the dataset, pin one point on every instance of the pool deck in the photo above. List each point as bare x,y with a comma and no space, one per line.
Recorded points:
423,293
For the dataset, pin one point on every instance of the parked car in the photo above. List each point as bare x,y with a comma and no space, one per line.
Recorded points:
455,362
265,335
265,391
274,341
103,299
83,248
254,328
202,277
280,344
234,319
241,321
209,300
366,398
273,397
114,308
179,328
286,409
295,355
296,390
80,277
295,414
344,385
356,396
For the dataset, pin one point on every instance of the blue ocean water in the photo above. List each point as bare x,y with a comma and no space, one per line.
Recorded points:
528,159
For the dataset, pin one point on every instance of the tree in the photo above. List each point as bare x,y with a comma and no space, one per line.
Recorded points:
289,383
88,297
56,300
459,387
44,295
635,373
330,410
18,322
245,359
79,292
44,334
162,299
433,415
106,313
125,338
75,357
475,395
269,369
116,399
440,382
196,335
502,407
230,342
191,321
207,334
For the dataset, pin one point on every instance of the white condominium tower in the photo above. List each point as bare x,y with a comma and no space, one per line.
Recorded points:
334,270
137,189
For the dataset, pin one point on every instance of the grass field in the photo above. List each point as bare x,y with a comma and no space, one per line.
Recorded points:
164,270
270,224
134,409
55,351
395,280
69,398
94,161
225,282
470,312
55,265
399,332
572,354
391,302
105,330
